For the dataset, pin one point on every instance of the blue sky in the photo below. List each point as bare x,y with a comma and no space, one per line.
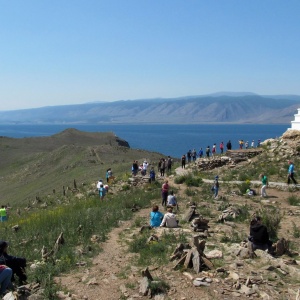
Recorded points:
69,52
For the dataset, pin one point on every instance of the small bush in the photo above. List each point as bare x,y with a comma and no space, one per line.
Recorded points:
293,200
158,286
193,181
189,180
244,213
243,176
296,231
244,187
179,179
190,192
271,218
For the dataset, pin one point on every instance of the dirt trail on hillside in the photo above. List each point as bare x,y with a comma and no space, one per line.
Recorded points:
113,268
102,280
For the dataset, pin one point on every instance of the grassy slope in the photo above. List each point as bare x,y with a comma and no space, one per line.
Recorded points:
31,167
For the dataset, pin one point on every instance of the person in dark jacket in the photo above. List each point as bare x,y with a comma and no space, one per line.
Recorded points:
259,235
17,264
228,145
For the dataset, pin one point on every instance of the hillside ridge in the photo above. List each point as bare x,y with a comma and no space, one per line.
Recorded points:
216,108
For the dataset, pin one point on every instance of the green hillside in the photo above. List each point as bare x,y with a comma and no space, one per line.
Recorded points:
31,167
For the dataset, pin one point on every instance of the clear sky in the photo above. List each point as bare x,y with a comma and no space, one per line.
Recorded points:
69,51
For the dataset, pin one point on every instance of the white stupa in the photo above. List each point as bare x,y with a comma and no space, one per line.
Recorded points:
296,123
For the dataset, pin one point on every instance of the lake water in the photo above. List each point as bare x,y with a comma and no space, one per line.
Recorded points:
174,140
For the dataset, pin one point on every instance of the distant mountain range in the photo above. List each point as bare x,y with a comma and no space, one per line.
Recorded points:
222,107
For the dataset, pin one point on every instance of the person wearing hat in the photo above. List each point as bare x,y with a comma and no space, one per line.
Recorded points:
216,186
17,264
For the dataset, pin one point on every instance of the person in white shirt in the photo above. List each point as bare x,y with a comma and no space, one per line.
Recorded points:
171,200
169,219
99,184
144,167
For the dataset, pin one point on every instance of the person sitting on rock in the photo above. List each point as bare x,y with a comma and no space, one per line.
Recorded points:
169,219
5,278
259,236
17,264
171,200
155,217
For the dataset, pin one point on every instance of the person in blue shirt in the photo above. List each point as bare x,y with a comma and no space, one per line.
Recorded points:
200,153
291,173
102,191
152,175
155,217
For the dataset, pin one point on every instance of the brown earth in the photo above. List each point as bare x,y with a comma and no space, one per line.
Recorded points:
113,274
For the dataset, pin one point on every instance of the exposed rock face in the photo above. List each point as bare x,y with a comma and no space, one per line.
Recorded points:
122,143
288,145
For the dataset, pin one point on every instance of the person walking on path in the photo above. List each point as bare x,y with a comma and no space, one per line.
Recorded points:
102,192
164,193
216,187
183,159
291,173
169,164
152,175
252,144
162,167
222,147
264,181
3,214
228,145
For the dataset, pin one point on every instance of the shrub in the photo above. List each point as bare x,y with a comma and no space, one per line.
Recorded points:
193,181
296,231
189,180
244,186
293,200
271,218
243,176
179,179
158,286
156,252
190,192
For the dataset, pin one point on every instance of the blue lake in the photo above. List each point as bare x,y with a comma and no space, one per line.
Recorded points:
173,140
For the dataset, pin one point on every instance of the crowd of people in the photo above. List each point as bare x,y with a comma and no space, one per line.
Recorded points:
192,155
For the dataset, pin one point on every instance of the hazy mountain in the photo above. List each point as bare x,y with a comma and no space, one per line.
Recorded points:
231,107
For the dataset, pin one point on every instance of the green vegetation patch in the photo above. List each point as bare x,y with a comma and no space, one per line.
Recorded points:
78,221
293,200
189,180
155,252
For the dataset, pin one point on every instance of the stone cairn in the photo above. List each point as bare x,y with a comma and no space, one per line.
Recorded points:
192,255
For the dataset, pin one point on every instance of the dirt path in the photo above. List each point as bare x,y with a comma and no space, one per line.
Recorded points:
180,171
113,272
103,279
